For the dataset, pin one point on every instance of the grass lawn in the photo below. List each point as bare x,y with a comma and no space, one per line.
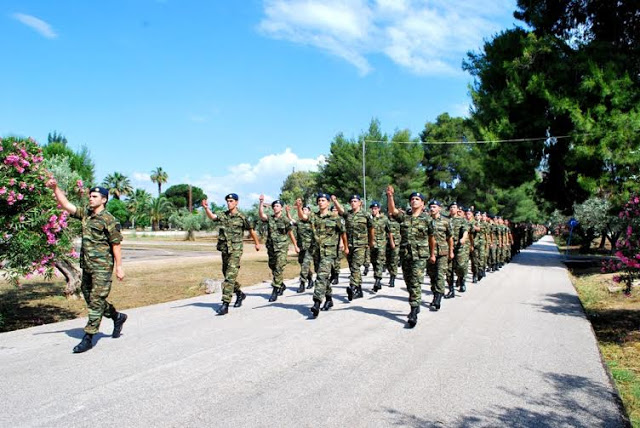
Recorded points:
616,322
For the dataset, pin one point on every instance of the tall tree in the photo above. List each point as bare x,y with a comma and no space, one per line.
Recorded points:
118,185
138,205
79,161
159,176
299,184
159,210
178,195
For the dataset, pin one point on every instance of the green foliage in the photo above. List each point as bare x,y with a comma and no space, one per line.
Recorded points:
189,222
34,230
299,184
159,209
79,162
138,205
119,210
118,185
178,195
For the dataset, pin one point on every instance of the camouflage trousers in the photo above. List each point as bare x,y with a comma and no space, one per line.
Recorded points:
478,259
356,260
326,260
438,273
491,256
277,263
367,257
95,289
458,266
305,258
413,270
378,259
393,259
230,268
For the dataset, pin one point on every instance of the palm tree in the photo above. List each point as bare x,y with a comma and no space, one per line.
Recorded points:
118,185
138,205
159,176
158,210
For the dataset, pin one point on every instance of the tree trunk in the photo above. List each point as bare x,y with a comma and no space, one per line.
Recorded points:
72,275
191,236
603,240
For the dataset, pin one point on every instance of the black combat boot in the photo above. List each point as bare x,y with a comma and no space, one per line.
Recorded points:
310,286
118,322
274,294
475,278
223,309
240,296
392,281
366,271
301,288
463,286
413,316
334,277
357,293
281,289
315,309
328,303
438,300
377,286
452,292
350,292
85,344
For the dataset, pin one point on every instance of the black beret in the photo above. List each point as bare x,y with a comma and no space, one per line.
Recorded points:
418,194
452,204
374,204
104,192
277,201
231,196
355,196
322,195
435,202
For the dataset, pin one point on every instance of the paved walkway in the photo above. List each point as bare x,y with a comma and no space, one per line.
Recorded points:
515,350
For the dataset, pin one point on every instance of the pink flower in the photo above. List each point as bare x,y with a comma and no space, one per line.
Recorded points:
23,185
79,183
3,190
21,218
12,181
20,196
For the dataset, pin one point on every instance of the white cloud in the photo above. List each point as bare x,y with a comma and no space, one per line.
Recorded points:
250,180
428,37
36,24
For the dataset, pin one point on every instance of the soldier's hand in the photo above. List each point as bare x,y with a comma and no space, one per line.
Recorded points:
257,247
261,198
295,247
432,259
204,203
298,203
393,246
287,209
119,273
345,250
51,182
390,190
451,255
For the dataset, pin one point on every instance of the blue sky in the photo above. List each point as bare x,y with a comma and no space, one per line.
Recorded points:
232,96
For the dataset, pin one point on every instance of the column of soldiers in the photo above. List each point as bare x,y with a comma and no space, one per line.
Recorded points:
419,239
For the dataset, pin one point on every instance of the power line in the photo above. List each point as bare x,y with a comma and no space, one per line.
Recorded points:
514,140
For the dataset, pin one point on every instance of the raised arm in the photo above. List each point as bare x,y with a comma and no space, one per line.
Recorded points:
61,197
261,213
391,204
336,204
301,215
207,210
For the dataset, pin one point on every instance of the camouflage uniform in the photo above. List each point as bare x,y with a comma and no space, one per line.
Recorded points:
381,232
460,263
304,237
278,229
99,233
393,254
230,236
414,252
495,241
357,225
479,246
326,233
437,271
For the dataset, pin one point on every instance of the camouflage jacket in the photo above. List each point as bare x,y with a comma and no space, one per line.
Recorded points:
278,229
394,228
441,229
304,235
381,231
357,226
459,225
231,231
327,229
414,234
99,232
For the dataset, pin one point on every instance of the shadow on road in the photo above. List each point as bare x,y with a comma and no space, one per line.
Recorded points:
76,333
400,317
300,308
570,392
561,304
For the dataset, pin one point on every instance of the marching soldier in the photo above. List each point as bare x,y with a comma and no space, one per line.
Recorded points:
382,235
393,251
233,224
278,230
359,229
458,266
306,245
328,230
479,247
441,248
101,249
414,246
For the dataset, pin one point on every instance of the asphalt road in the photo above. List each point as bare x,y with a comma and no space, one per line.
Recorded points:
515,350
